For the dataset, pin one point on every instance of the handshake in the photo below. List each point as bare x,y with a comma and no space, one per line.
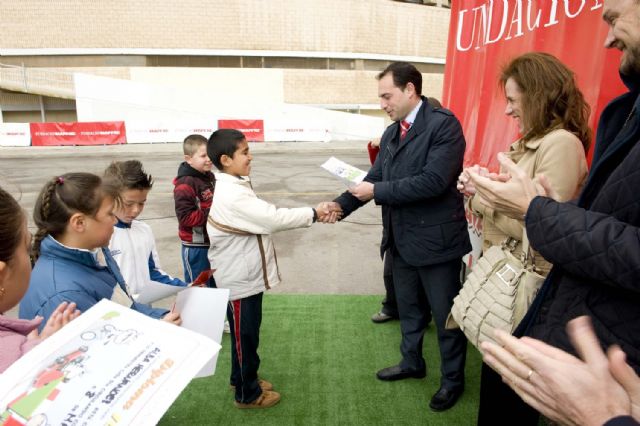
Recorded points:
329,212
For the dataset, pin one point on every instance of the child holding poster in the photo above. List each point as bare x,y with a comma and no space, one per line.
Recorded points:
74,216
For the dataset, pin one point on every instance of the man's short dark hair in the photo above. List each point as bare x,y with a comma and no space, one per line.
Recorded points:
403,73
223,142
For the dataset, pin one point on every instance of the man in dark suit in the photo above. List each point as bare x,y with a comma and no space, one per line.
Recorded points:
424,225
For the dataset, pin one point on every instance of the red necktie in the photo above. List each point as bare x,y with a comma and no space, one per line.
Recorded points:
404,128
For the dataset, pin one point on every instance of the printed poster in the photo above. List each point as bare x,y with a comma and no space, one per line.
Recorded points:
110,366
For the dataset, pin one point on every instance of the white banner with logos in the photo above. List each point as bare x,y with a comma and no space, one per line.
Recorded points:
15,134
157,132
284,130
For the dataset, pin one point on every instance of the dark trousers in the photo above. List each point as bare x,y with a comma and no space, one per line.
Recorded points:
389,303
499,404
440,283
245,316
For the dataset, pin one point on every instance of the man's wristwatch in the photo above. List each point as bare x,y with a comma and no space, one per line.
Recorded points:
315,214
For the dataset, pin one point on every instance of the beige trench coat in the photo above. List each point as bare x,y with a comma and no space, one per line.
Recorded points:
560,156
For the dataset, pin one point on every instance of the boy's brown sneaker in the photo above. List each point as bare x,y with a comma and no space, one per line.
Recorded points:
264,385
265,400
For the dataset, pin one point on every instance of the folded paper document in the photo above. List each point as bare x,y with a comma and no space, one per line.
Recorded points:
346,172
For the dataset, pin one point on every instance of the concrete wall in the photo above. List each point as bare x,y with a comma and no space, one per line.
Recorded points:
343,87
371,26
341,29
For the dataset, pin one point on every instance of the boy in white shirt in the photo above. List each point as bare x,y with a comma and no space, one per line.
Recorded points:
242,253
133,245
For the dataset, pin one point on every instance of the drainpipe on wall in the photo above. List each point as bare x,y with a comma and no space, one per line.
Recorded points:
43,118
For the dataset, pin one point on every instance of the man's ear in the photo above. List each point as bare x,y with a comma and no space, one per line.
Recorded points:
410,88
78,222
187,158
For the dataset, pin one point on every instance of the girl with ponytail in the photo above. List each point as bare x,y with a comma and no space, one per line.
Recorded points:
74,216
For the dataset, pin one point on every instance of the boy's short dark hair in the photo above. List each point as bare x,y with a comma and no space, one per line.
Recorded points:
223,142
192,143
403,73
128,175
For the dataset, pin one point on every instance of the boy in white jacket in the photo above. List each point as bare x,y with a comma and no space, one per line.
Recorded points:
132,244
242,253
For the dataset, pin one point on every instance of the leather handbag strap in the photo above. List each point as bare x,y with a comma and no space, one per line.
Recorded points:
526,249
511,243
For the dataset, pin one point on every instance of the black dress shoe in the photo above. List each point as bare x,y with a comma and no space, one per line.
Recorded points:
444,399
380,317
397,373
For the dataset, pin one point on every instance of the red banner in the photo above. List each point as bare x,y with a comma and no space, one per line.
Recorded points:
88,133
253,129
484,35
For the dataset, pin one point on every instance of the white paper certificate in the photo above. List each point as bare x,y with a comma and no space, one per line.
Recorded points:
154,291
203,310
346,172
110,366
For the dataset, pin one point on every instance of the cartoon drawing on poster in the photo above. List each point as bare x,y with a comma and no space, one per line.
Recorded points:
108,372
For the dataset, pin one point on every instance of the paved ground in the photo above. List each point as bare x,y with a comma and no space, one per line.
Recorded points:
324,259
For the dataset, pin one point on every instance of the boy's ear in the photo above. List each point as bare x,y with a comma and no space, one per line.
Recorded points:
225,160
187,158
78,222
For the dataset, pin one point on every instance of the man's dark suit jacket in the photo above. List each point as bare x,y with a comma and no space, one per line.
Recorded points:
415,182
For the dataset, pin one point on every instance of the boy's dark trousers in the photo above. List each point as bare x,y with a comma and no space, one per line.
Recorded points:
245,316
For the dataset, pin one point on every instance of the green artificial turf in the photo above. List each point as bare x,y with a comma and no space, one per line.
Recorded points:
321,353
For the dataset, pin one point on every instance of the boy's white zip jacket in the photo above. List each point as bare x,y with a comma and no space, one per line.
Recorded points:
240,226
134,249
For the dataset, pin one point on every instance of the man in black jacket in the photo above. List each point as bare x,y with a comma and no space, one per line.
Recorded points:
593,242
414,179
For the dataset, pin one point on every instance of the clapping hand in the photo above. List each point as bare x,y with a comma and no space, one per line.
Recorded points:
63,314
465,184
510,192
328,212
577,391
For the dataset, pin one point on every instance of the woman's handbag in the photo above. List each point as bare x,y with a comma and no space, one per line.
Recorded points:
497,293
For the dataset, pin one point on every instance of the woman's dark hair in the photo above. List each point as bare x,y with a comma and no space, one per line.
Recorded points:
550,96
63,196
223,142
128,175
11,225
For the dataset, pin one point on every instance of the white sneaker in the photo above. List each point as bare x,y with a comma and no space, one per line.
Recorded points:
226,329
